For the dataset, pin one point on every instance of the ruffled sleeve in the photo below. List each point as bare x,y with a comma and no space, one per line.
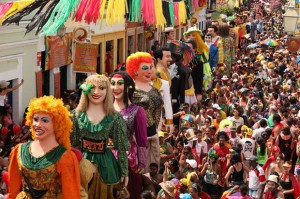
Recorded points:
14,175
75,135
120,141
141,136
68,168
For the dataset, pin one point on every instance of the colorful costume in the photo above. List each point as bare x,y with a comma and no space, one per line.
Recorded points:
92,140
150,100
135,119
97,140
54,174
163,87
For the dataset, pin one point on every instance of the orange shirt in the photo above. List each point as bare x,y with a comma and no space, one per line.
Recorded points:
67,167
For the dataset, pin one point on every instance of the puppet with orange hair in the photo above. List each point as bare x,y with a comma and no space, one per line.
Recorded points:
139,67
45,167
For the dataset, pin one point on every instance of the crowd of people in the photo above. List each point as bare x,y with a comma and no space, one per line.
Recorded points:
215,115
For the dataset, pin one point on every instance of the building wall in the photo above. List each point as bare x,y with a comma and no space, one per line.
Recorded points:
18,60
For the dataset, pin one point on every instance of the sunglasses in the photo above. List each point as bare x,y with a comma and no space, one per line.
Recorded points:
145,67
119,82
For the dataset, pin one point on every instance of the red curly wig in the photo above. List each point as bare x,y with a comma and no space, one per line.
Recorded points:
134,60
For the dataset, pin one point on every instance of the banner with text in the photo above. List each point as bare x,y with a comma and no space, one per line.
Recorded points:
57,85
39,83
58,51
85,57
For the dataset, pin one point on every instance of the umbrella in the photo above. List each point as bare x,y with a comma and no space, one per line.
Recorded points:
181,48
270,42
190,118
251,46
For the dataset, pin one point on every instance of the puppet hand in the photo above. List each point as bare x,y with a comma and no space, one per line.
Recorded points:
124,181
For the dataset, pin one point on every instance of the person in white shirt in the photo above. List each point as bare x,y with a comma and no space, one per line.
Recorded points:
257,179
236,119
199,147
257,132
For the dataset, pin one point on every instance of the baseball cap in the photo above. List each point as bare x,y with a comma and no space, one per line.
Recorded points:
216,106
161,134
252,158
192,163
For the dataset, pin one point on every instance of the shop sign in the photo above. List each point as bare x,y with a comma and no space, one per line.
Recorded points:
58,51
85,57
39,83
57,85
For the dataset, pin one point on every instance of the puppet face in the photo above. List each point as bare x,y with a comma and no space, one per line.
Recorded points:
117,87
42,126
166,59
144,72
98,93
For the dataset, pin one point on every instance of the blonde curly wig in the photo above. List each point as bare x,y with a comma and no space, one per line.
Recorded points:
99,80
59,114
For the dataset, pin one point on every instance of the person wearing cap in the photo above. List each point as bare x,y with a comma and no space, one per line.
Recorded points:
257,178
273,191
166,150
168,188
191,174
218,109
183,186
211,172
4,90
289,183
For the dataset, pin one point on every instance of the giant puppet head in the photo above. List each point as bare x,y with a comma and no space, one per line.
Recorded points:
47,115
96,89
195,34
139,66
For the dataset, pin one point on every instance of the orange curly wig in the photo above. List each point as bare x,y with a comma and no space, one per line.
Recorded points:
60,115
134,60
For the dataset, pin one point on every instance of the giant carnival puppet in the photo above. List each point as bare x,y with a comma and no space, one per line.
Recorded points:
97,128
139,67
123,87
201,71
45,167
164,88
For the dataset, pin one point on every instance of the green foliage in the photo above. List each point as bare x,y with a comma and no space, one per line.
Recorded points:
226,10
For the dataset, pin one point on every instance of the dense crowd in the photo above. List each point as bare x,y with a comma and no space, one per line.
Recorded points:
230,123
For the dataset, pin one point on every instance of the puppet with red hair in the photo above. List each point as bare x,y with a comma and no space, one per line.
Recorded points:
139,67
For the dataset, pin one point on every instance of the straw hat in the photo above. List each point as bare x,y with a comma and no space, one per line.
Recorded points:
168,187
192,29
161,134
273,178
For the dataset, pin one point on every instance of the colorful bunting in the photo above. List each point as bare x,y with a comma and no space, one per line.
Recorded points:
51,15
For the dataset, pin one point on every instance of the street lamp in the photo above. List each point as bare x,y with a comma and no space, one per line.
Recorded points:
290,19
